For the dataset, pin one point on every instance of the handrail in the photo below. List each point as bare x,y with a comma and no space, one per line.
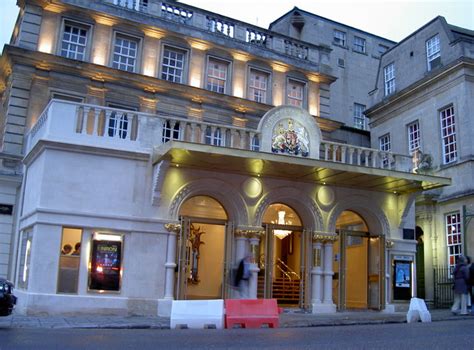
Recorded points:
283,272
288,269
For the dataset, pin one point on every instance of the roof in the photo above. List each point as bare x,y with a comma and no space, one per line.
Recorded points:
328,20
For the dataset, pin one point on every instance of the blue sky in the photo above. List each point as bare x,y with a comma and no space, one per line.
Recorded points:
390,19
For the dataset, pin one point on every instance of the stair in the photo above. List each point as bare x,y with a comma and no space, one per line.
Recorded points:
284,290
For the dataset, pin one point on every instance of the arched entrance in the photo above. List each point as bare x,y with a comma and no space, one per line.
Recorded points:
203,250
283,257
358,264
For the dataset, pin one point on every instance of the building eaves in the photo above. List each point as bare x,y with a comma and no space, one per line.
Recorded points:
331,21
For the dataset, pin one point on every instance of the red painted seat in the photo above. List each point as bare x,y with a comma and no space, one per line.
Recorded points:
251,313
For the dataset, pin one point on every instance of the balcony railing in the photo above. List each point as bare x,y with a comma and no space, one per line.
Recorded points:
223,26
112,128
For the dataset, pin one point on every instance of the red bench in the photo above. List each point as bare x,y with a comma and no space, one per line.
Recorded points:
251,313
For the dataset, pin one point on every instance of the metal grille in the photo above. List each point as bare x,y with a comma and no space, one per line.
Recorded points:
443,287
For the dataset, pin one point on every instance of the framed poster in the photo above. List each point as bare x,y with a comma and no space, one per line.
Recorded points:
106,263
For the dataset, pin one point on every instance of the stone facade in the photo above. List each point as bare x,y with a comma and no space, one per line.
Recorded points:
118,114
425,91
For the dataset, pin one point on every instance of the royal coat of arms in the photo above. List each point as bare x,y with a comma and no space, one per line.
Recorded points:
293,140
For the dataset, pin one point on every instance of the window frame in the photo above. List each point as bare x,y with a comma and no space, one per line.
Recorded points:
360,117
138,40
430,57
384,47
389,79
79,24
169,132
184,77
228,78
414,136
356,47
304,100
336,40
268,90
459,234
448,140
126,117
387,143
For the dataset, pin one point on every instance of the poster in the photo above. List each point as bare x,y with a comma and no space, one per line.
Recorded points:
106,263
402,274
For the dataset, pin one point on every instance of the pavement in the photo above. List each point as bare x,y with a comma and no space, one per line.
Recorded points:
290,318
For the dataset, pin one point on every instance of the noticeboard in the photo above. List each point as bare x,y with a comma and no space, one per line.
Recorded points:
402,279
106,262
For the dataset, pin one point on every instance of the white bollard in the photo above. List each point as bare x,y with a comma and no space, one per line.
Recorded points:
197,314
418,311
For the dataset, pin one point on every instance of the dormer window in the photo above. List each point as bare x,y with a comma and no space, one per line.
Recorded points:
433,52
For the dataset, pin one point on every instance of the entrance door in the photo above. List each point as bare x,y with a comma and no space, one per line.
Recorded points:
204,254
361,281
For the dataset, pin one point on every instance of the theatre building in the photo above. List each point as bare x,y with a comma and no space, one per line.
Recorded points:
164,143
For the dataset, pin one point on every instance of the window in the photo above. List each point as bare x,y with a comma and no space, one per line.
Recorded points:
448,135
217,75
384,144
433,52
74,40
295,93
258,86
359,44
214,136
69,260
389,79
119,122
25,258
414,138
170,131
339,37
125,53
382,49
172,67
255,144
360,121
453,237
106,262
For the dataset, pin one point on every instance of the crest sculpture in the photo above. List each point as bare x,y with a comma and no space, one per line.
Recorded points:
292,140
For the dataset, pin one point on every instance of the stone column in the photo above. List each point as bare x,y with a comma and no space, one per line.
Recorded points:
254,237
316,274
240,245
388,284
322,251
170,265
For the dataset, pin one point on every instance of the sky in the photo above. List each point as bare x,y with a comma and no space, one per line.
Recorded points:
394,19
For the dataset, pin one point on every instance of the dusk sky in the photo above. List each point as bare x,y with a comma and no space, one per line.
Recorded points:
390,19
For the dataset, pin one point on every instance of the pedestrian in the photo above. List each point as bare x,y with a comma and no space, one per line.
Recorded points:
461,280
242,277
471,286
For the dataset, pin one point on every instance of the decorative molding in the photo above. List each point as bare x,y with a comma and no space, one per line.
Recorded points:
389,244
249,233
159,172
173,227
324,237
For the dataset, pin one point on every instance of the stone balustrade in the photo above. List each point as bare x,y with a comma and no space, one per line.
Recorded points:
230,28
120,129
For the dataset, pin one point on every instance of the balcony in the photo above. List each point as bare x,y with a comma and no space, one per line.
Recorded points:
224,27
189,142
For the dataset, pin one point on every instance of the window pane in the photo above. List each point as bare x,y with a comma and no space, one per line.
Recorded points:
74,41
69,260
125,53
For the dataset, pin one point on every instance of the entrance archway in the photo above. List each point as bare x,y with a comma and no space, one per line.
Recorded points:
202,250
358,265
283,256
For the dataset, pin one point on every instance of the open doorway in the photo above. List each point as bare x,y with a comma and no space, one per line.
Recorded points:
283,257
203,250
